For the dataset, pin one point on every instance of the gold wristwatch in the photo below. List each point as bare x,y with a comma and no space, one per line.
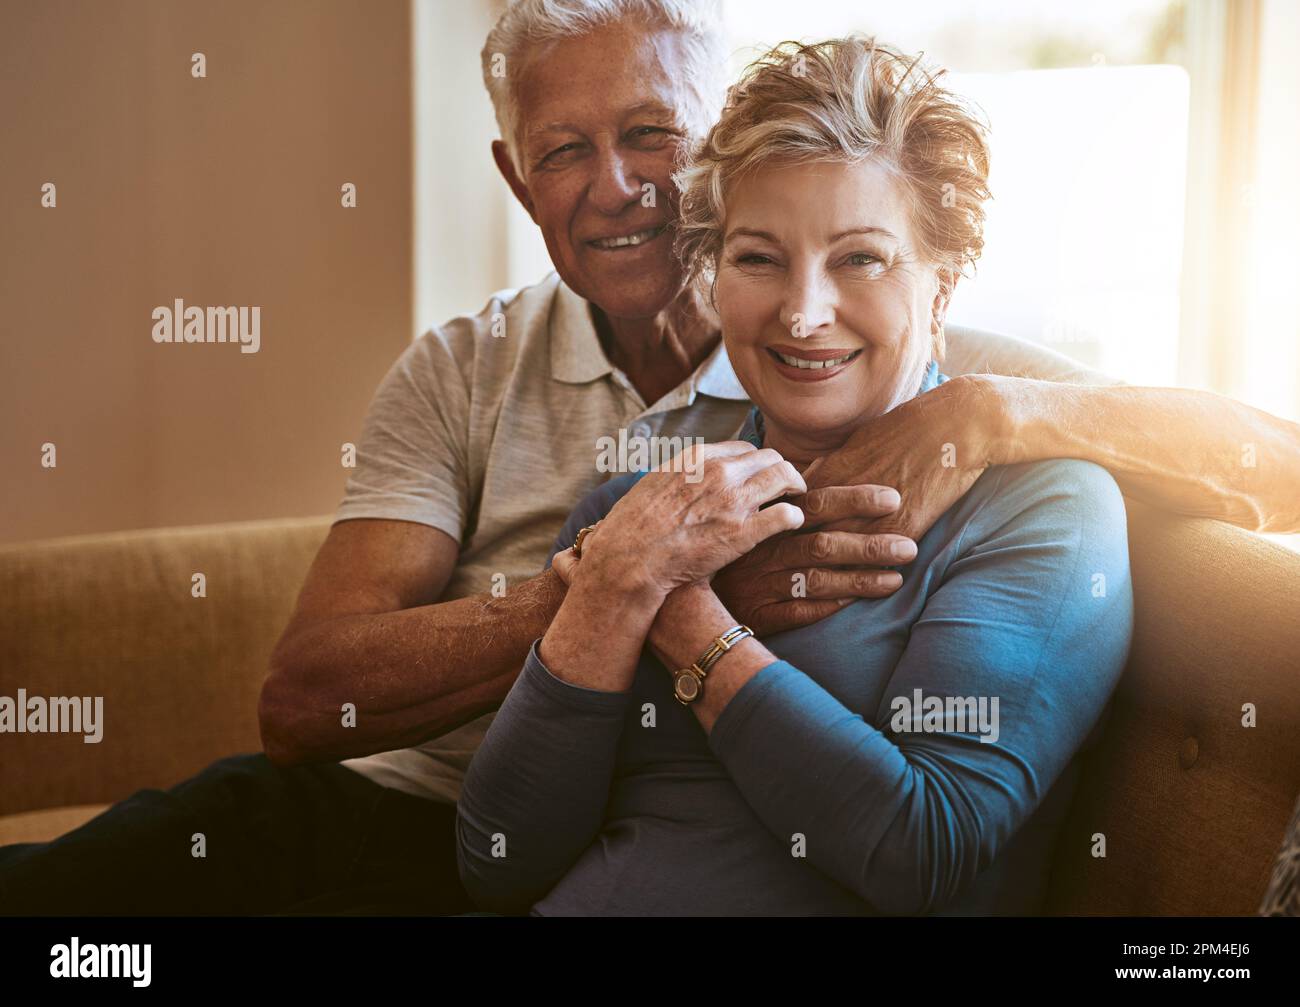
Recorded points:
688,683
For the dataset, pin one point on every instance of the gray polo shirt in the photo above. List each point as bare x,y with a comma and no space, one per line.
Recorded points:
493,426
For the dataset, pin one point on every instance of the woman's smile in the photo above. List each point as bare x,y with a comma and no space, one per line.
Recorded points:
826,304
799,364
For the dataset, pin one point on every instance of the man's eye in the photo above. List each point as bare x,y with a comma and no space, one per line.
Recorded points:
753,259
558,151
649,134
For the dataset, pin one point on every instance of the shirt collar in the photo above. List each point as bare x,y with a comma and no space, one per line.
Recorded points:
717,378
576,353
577,356
752,429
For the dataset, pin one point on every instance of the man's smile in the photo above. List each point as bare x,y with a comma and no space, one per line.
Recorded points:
631,239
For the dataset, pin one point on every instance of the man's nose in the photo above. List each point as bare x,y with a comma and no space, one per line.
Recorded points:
808,305
615,184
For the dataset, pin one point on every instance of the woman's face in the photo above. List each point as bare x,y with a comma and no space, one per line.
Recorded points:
819,264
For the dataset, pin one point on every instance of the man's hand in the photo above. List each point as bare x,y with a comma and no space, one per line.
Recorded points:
797,578
931,449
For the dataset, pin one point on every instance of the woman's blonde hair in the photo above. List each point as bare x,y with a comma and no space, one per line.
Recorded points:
847,100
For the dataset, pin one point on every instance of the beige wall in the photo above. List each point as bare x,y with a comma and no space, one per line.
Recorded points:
221,191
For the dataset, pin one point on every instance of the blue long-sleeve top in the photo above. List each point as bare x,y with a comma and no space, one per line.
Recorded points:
827,785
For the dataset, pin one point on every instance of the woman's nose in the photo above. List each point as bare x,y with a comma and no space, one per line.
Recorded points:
808,305
614,185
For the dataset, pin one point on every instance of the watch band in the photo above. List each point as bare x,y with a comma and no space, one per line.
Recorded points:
688,683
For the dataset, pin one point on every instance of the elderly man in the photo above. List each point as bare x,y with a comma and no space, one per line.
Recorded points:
425,598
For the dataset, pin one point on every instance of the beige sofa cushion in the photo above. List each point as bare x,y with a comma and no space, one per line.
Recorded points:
112,615
42,826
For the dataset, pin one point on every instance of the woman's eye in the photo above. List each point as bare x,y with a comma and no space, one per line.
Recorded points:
863,259
753,259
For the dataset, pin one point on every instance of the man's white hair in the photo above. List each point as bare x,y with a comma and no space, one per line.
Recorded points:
529,22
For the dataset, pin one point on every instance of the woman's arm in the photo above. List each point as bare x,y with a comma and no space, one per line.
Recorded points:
689,620
1035,615
535,792
1187,451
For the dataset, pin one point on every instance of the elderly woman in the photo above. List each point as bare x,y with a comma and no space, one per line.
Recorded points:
908,754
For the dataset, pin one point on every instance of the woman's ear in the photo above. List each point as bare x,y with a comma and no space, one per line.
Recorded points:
947,281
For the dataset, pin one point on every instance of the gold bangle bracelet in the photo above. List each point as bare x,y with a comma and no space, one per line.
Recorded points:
721,645
688,683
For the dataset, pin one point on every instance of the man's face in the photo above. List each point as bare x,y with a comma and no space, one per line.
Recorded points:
601,132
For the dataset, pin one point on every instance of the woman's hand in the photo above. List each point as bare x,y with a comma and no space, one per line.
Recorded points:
687,519
564,563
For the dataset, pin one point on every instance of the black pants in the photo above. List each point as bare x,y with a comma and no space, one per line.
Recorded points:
319,840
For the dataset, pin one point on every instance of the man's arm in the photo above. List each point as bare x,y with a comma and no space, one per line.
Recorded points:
1183,450
1187,451
367,631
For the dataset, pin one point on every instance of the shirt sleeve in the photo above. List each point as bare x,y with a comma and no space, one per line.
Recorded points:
536,790
412,459
1035,614
535,794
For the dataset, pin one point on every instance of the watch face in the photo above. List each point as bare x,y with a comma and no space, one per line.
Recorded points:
687,686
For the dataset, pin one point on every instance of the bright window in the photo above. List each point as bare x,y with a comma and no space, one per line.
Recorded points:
1084,234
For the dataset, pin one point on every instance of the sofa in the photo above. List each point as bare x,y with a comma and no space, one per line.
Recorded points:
1192,803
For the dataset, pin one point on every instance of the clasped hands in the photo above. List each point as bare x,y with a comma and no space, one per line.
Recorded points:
781,549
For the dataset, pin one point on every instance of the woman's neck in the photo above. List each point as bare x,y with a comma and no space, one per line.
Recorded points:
801,447
659,353
800,451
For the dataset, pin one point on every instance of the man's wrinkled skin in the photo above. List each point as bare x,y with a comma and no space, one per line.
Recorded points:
1178,449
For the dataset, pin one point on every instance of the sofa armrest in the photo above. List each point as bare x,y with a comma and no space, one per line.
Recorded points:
1191,802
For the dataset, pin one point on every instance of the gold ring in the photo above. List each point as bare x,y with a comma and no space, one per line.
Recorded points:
577,542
